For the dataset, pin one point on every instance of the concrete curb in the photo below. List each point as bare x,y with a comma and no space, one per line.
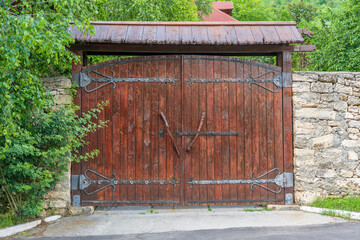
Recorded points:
352,215
9,231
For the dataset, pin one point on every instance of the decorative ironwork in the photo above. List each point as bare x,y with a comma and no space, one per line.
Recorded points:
281,180
277,80
85,182
208,134
197,133
85,80
170,134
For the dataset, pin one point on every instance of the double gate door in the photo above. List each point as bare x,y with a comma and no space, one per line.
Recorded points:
183,130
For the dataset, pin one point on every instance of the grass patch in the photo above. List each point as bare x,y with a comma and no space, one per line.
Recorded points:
254,209
8,220
334,214
350,203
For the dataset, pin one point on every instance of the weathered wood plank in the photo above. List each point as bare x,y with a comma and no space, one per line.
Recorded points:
139,114
210,126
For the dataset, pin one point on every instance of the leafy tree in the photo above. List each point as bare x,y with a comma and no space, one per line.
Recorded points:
301,11
337,37
149,10
35,139
285,16
252,10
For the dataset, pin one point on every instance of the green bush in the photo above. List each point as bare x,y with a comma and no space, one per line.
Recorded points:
39,153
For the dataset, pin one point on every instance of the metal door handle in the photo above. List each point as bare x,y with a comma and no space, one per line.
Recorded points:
197,132
170,134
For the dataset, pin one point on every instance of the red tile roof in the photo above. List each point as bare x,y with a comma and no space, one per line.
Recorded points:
224,5
218,16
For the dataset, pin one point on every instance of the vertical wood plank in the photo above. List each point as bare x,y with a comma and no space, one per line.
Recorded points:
225,140
154,132
162,140
186,123
116,131
146,129
218,139
262,132
139,112
248,128
171,156
240,126
123,131
232,128
202,139
194,123
270,136
131,132
101,134
210,126
176,107
108,148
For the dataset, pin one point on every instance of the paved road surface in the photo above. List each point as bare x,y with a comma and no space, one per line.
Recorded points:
335,231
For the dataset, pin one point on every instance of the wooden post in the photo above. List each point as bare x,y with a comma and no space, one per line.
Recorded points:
284,61
76,167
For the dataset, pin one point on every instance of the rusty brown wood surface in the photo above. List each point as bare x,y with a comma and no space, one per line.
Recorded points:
136,145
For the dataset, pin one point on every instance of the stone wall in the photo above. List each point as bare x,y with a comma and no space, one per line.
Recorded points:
59,198
326,134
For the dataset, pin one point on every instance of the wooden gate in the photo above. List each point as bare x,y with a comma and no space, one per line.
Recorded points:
183,130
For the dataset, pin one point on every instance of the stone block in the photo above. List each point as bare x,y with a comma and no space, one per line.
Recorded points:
354,124
329,97
321,87
330,173
63,99
353,109
348,76
346,173
353,101
81,211
349,116
304,128
303,152
353,156
328,78
315,114
53,83
58,204
343,89
301,141
351,144
299,87
307,77
353,130
357,171
323,141
307,100
341,106
353,137
306,197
